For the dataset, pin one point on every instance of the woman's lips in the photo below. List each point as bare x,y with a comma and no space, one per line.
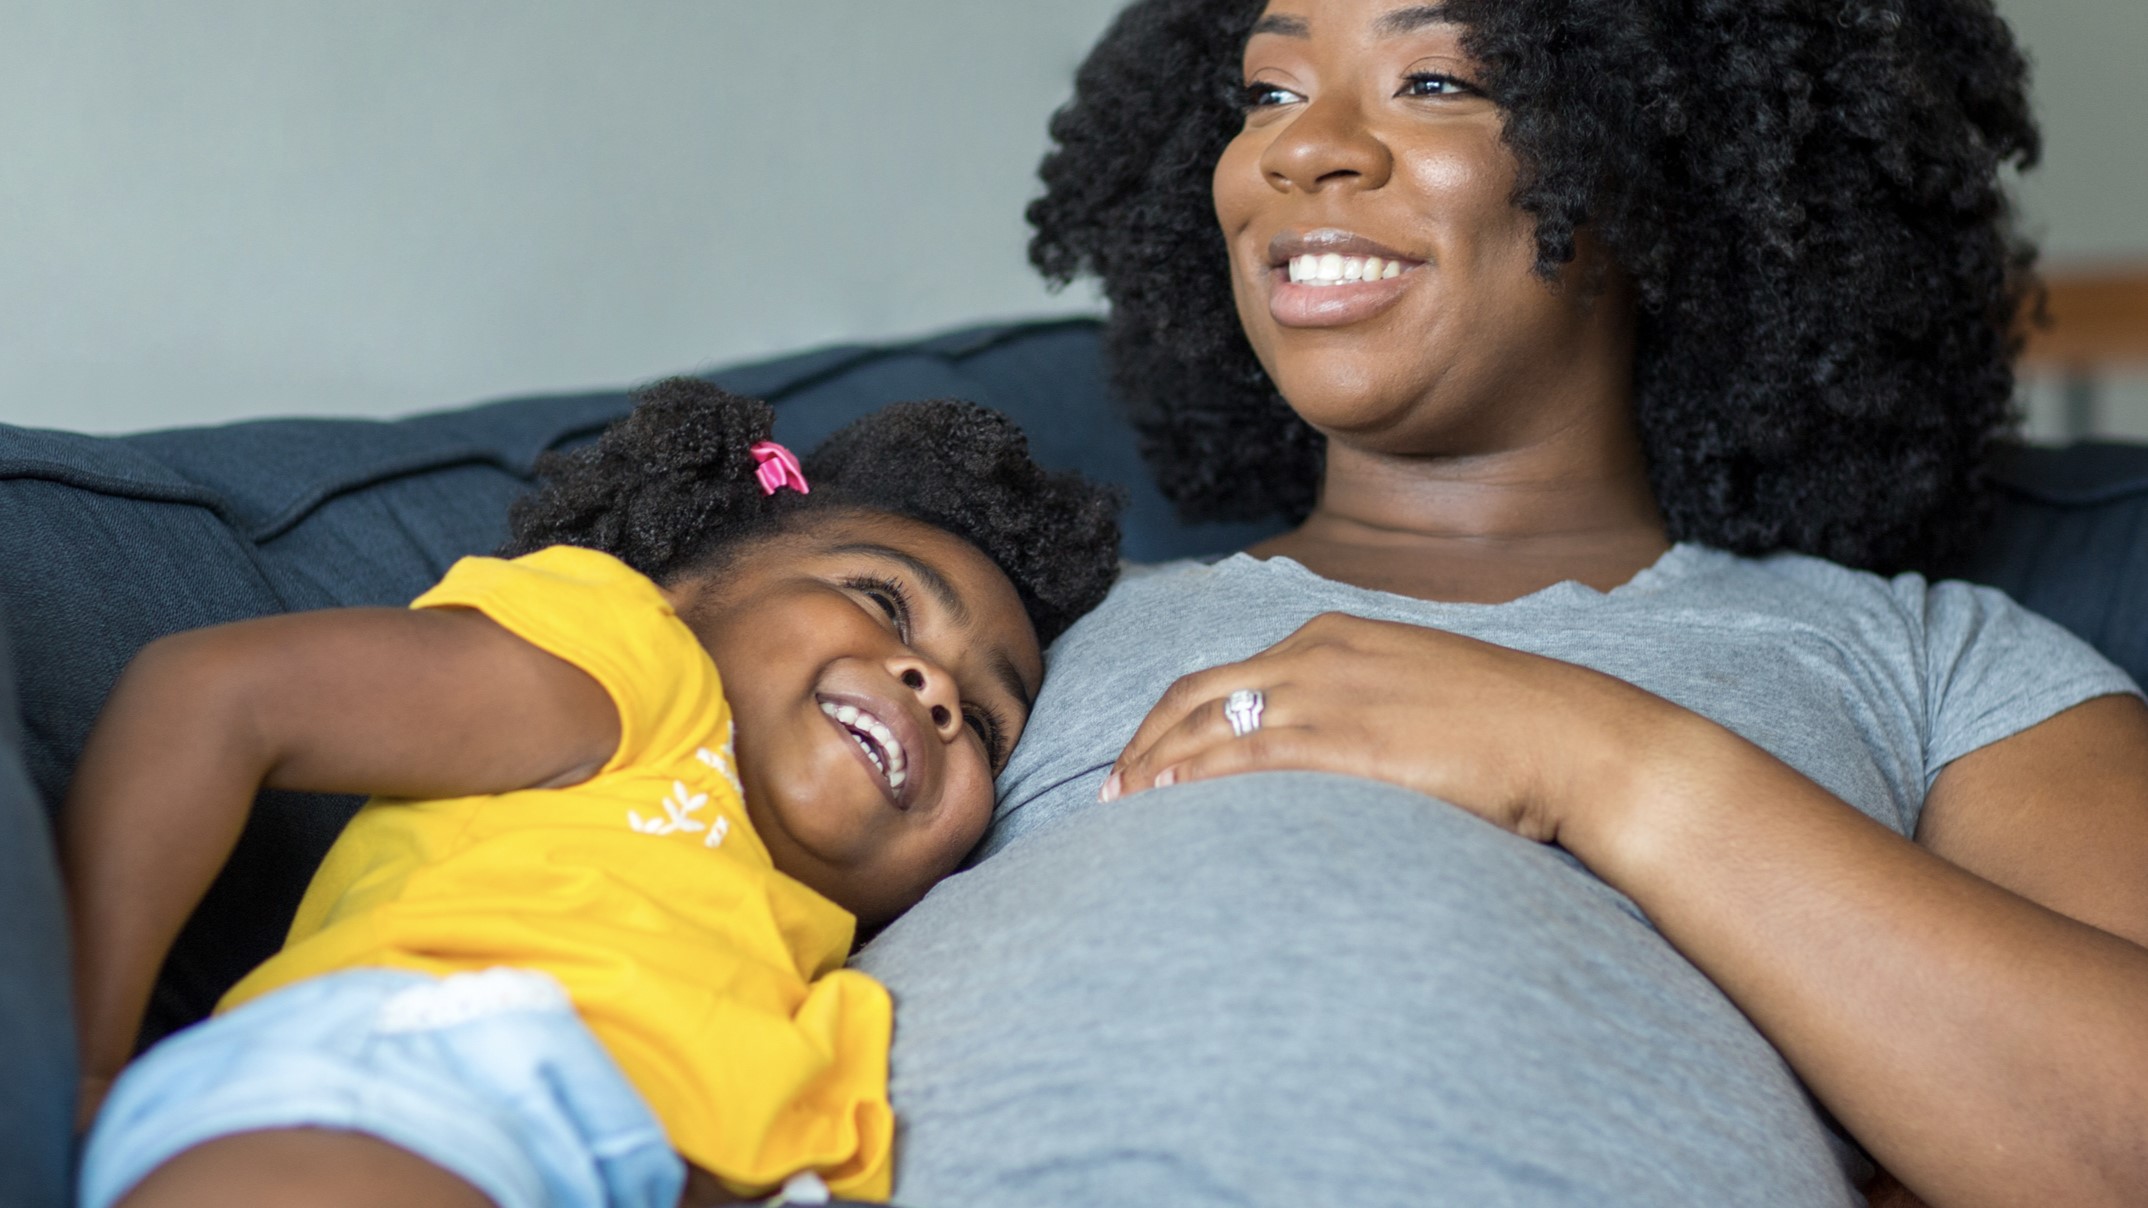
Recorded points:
1330,278
1306,303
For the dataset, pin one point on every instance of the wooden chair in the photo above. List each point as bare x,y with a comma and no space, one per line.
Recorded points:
2098,325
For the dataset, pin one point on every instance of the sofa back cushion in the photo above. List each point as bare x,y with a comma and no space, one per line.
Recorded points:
2070,540
108,543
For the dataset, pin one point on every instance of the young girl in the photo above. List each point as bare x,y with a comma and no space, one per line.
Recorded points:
594,920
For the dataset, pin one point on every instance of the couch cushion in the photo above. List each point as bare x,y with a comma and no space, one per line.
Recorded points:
37,1056
2070,540
107,543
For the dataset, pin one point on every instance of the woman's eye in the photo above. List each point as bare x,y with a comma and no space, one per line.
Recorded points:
1265,96
1432,83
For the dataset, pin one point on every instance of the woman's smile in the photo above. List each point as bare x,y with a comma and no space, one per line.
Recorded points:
1382,274
1332,278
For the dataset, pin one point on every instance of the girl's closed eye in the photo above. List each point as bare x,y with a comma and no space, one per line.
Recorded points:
891,597
991,731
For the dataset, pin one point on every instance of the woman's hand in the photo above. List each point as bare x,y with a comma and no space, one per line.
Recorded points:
1509,736
1969,1008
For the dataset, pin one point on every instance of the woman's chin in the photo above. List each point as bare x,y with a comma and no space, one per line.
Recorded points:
1334,392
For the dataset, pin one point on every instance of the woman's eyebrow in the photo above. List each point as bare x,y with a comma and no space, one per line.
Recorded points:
1410,20
1392,24
1281,26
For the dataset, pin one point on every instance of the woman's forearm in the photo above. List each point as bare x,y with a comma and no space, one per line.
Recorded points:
1984,1048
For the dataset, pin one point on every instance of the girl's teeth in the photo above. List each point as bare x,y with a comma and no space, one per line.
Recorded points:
888,755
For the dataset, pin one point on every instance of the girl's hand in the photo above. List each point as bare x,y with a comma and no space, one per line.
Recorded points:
1511,737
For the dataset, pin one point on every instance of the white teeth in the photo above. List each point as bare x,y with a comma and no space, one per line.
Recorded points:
878,740
871,752
886,738
1334,269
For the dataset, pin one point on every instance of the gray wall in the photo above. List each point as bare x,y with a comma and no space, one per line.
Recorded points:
222,208
219,208
2089,201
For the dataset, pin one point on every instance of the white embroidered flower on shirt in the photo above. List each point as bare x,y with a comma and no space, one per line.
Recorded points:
725,761
683,803
677,809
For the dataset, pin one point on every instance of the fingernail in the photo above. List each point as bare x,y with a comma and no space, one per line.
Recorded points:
1110,791
1167,777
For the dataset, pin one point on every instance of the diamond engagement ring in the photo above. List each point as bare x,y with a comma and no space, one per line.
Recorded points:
1242,709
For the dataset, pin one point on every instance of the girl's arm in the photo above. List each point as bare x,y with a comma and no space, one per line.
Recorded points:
436,702
1972,1006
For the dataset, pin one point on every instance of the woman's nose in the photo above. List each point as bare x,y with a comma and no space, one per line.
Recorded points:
936,691
1328,143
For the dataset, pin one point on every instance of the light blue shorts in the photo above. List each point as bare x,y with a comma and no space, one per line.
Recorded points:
490,1075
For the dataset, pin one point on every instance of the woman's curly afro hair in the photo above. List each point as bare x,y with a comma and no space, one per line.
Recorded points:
670,489
1804,194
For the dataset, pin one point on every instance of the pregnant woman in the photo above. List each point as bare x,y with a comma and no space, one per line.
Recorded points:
1579,802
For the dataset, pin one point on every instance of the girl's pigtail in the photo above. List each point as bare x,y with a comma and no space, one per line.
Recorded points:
657,486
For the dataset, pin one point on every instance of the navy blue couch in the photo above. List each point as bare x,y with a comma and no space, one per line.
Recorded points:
107,543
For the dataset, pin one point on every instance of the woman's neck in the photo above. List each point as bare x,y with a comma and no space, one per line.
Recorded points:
1481,529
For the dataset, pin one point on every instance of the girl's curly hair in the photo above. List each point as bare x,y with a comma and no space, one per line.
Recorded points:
671,489
1804,193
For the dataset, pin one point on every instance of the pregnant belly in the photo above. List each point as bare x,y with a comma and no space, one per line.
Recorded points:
1293,989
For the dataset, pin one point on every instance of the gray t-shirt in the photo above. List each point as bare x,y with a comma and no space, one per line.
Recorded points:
1297,989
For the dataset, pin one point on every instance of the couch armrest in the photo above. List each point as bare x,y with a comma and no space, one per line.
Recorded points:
37,1045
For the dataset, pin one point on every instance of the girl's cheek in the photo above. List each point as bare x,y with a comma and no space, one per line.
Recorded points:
976,803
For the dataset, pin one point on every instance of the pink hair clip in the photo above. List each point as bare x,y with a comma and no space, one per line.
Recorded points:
778,468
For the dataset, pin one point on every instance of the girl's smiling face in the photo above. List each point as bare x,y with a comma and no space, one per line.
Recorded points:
880,671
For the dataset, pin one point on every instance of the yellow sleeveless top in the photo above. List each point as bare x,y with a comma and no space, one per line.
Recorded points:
715,981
